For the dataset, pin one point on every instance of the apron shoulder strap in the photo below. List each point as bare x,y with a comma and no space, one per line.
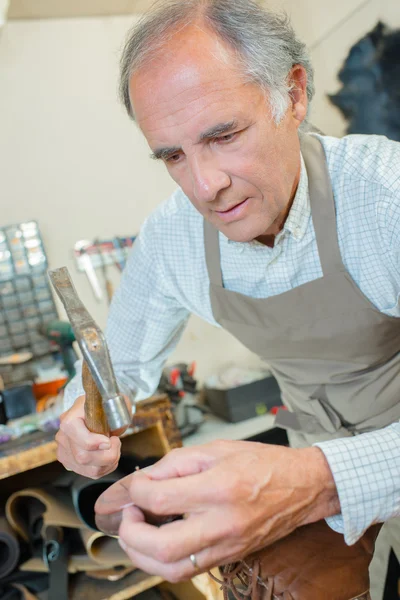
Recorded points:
213,253
322,203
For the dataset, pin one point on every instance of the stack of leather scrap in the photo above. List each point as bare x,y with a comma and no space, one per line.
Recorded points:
49,532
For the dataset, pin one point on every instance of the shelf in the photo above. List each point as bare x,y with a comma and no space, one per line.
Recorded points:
85,588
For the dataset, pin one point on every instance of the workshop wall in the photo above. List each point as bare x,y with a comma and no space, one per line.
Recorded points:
71,159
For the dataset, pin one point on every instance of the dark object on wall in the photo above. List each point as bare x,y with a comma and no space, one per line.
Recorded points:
370,96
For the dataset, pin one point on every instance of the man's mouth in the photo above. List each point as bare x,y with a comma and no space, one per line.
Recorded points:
232,213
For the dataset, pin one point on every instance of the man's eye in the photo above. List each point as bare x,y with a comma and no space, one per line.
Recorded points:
229,137
174,158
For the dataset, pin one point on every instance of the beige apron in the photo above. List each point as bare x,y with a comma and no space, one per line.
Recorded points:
336,357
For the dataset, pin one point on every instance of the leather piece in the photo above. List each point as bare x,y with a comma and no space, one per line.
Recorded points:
10,549
313,562
77,563
54,507
85,493
25,593
104,550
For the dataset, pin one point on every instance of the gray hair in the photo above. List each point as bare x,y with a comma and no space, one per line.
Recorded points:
264,42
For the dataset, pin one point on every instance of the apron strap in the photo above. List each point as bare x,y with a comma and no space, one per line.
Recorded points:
322,203
213,254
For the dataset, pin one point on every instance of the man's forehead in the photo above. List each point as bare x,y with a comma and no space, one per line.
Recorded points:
193,62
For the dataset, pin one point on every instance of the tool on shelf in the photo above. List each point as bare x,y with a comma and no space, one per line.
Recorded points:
62,334
87,266
103,265
101,254
105,408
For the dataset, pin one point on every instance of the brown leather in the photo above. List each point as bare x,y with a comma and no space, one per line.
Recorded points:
312,563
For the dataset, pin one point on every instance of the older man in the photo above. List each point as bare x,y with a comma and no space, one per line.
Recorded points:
288,240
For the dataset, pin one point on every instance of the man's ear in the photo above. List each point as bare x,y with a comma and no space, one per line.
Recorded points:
297,81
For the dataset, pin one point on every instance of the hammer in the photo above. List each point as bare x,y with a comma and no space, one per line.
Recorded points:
105,409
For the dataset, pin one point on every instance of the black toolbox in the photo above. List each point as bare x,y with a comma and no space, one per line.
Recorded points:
245,401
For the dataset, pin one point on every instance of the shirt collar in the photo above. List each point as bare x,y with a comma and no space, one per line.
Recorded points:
299,214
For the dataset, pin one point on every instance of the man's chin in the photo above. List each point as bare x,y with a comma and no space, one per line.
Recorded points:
239,232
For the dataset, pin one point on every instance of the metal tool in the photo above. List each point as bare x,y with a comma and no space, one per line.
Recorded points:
103,265
105,408
82,247
120,259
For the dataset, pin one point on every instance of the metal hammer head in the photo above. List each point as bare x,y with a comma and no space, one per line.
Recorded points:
94,349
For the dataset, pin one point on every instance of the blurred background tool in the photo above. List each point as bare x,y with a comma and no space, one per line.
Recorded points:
87,265
102,254
62,334
103,266
120,259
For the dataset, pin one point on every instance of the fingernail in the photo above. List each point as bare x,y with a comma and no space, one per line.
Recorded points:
123,545
105,446
109,524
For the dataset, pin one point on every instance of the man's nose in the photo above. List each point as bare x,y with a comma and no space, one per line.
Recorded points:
208,179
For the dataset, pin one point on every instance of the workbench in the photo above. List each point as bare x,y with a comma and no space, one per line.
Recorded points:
32,461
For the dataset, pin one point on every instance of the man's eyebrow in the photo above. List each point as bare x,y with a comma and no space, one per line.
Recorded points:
165,152
217,130
212,132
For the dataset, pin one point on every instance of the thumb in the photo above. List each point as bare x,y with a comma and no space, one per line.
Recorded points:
114,498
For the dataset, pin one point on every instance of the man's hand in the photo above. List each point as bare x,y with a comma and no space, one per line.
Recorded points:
237,497
89,454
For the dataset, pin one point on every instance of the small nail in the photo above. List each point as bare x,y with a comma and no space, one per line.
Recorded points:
109,524
104,446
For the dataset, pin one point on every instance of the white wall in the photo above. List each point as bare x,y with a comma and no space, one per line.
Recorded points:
70,158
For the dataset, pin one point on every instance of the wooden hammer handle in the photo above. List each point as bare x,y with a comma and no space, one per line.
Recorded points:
95,418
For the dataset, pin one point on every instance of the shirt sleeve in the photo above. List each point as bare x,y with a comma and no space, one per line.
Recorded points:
366,470
144,325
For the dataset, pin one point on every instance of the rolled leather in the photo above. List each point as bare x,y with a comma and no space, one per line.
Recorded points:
77,563
313,562
85,492
37,513
104,550
9,549
25,593
32,511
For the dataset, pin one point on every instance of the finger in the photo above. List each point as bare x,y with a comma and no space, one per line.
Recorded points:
66,458
175,496
77,432
174,541
61,440
97,458
181,570
181,462
116,497
110,523
98,472
174,573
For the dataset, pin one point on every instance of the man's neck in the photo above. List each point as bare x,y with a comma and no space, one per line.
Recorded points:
268,238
